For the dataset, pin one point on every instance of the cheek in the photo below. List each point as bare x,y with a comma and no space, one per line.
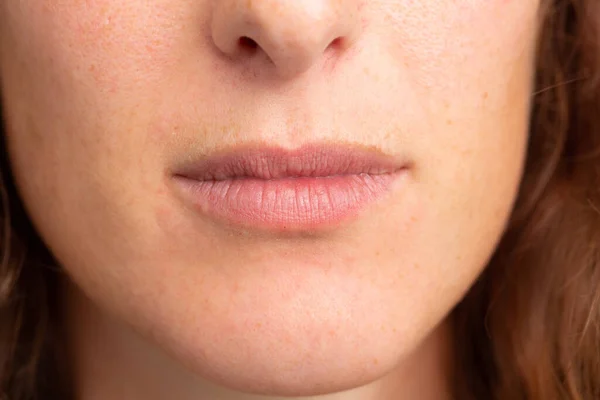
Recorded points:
469,69
465,88
108,46
447,44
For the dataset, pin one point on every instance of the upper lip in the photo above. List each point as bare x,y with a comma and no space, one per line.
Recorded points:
313,160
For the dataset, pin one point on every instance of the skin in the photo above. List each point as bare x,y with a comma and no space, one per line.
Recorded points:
103,98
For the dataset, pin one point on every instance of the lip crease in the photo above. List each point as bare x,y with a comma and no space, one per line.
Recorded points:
268,188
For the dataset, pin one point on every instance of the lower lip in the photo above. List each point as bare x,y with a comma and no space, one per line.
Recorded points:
301,203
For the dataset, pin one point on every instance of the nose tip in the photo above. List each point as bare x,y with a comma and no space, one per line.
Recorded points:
292,34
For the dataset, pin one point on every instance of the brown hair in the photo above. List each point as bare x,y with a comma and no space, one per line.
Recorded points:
529,328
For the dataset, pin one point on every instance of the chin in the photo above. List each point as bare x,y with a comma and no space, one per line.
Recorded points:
329,334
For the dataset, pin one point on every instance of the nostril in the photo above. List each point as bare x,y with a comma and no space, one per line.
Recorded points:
247,44
336,44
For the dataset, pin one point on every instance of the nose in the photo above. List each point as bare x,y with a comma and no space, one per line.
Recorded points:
292,34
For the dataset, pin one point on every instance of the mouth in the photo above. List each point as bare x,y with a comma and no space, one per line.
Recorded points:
266,188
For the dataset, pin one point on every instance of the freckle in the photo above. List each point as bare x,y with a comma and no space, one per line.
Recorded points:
375,361
363,23
485,95
449,122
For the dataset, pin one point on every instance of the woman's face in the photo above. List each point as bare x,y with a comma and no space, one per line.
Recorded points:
108,102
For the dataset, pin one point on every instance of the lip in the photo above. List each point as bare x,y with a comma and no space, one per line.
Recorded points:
267,188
